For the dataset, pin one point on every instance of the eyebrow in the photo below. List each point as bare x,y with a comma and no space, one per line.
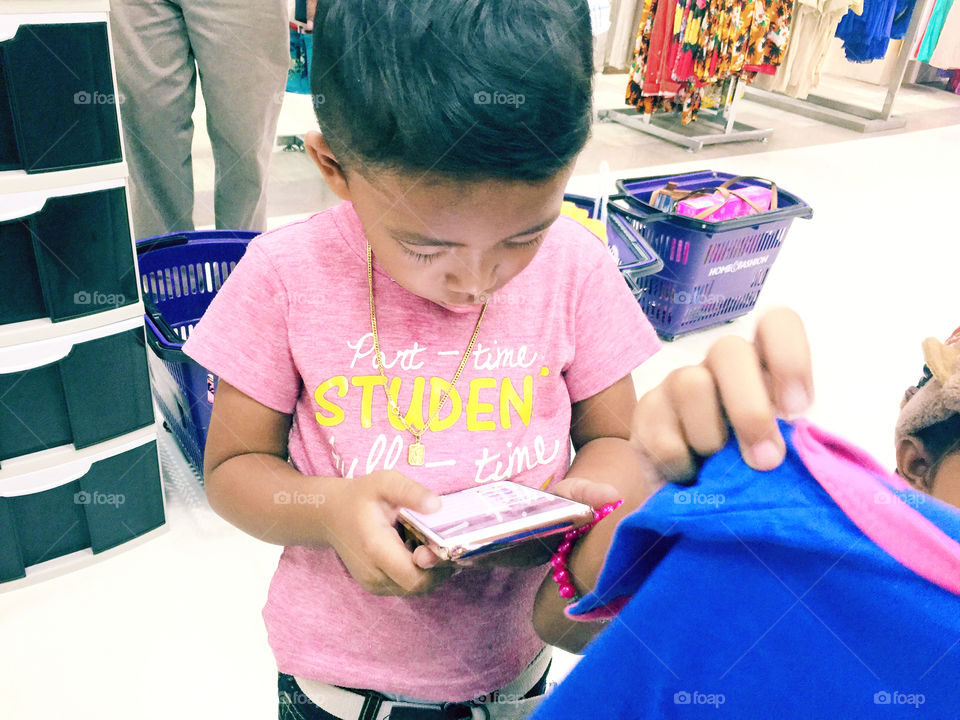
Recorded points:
412,238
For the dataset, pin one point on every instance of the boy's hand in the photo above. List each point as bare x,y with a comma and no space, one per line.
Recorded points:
361,530
739,385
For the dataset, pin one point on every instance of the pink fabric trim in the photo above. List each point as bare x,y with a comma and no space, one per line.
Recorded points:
848,476
604,612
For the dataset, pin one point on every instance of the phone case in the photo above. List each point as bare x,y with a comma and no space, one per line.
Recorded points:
493,517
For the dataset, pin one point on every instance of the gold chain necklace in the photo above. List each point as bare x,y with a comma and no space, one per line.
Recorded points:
415,452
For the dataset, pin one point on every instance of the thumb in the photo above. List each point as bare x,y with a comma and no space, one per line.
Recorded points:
401,491
588,492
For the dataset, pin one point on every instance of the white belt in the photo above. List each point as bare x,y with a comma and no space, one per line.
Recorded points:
507,702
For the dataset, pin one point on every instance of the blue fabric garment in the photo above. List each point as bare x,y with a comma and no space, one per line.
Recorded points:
866,37
753,595
301,55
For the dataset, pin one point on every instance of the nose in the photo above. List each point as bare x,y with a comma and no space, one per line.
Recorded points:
473,275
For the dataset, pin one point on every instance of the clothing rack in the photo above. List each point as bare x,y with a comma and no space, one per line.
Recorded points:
668,127
849,115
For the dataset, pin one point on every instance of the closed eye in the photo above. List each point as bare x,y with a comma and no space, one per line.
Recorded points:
419,257
528,243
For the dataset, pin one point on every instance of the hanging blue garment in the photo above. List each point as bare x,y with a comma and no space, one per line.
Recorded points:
867,36
826,588
301,55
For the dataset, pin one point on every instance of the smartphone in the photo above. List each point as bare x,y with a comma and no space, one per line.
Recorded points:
492,517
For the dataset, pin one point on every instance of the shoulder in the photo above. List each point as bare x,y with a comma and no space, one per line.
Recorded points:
313,246
572,249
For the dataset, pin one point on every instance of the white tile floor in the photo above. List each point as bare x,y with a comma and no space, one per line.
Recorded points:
172,628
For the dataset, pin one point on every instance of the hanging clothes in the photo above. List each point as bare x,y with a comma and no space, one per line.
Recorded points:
651,86
684,47
931,36
946,56
814,25
867,36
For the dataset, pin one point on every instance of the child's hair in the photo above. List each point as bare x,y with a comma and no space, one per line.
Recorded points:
468,90
939,440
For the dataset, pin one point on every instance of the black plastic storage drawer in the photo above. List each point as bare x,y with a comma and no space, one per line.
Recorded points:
58,105
117,499
72,257
82,389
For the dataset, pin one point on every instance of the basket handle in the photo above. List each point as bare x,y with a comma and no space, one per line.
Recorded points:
771,183
169,334
161,241
726,193
635,213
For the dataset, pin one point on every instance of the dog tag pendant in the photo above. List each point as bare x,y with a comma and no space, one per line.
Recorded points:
415,453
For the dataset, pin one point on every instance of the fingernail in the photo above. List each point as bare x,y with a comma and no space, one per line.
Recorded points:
765,454
431,504
795,400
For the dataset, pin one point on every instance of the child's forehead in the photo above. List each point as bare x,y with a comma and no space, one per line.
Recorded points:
429,202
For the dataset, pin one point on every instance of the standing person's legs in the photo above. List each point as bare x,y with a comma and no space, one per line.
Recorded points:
242,51
157,77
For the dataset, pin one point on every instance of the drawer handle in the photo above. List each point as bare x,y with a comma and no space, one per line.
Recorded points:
46,479
33,355
21,205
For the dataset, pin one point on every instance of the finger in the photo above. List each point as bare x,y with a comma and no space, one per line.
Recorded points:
433,579
658,436
693,395
748,406
400,491
784,351
396,562
588,492
424,557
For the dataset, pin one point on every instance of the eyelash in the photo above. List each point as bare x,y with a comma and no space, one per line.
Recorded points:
426,258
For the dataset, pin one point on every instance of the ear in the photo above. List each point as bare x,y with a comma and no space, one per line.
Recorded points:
913,462
323,156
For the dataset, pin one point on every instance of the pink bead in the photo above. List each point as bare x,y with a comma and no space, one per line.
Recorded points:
567,591
607,509
558,561
564,547
585,529
561,577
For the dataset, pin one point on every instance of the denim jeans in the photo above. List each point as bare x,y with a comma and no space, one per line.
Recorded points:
295,705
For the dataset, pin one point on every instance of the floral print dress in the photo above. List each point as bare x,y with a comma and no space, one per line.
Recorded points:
684,46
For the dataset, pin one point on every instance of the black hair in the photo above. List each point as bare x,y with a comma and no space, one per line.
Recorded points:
942,438
466,89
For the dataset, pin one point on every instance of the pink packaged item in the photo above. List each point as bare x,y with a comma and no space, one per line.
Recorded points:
727,203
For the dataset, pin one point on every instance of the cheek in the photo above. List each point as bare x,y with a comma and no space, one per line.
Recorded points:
515,261
946,483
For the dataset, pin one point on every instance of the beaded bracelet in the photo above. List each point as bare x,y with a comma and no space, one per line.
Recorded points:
559,560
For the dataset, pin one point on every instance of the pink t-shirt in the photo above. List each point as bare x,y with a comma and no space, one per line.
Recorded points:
291,328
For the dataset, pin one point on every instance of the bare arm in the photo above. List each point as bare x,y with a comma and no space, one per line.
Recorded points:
600,431
251,485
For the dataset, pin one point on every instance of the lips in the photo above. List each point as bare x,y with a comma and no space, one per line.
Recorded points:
459,308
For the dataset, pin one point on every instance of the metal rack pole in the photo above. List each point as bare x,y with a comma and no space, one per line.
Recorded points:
914,31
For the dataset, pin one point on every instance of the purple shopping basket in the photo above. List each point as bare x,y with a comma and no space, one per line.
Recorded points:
634,256
179,275
712,271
